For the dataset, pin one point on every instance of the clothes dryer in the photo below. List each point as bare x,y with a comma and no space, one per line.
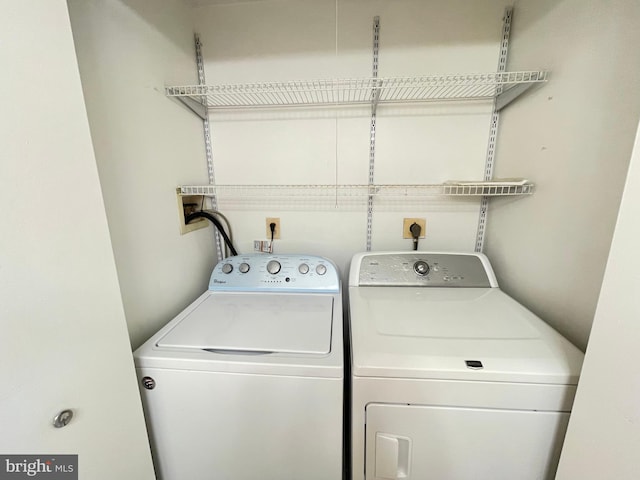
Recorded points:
451,378
247,382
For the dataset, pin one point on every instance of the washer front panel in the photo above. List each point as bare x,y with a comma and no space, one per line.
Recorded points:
211,425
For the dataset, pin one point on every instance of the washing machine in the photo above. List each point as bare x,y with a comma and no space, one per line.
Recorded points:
451,378
247,382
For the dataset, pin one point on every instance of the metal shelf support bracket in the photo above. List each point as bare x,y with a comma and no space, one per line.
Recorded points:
505,98
195,107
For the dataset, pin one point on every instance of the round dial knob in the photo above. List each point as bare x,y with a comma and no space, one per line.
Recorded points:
303,268
273,267
321,269
421,267
227,268
244,267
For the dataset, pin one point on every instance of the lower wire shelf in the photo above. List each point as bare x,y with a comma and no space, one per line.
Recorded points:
245,196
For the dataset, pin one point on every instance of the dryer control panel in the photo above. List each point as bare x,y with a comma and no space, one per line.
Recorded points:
274,273
422,269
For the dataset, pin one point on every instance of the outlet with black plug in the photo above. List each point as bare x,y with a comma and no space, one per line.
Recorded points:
272,232
415,229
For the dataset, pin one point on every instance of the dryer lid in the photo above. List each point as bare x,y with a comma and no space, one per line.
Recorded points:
443,333
259,323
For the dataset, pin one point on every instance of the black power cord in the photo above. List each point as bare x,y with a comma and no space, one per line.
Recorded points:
415,230
272,227
217,224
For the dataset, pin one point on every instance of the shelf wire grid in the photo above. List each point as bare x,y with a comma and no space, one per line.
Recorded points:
349,195
476,86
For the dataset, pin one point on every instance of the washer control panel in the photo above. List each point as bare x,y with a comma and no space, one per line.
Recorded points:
423,269
260,272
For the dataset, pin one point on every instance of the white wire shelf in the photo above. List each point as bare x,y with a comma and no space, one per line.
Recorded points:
465,189
505,86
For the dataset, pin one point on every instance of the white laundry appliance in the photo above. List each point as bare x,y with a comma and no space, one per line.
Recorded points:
451,378
247,382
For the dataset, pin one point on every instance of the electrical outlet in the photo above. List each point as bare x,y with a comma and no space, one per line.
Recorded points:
276,233
263,246
406,225
188,204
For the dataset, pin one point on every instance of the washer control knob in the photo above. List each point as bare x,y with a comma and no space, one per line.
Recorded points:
321,269
303,268
421,268
273,267
244,267
227,268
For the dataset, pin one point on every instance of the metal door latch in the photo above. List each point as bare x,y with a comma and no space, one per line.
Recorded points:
148,383
63,418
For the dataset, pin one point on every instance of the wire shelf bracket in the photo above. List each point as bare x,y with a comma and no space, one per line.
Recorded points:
505,98
195,106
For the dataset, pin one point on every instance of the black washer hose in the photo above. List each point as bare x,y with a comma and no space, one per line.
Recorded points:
218,225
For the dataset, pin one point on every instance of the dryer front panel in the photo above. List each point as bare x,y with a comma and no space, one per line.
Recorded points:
450,443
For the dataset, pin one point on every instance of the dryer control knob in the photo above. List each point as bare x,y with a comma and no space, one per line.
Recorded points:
421,267
303,268
244,267
321,269
227,268
273,267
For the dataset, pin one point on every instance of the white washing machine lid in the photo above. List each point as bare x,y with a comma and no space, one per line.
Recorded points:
260,322
414,332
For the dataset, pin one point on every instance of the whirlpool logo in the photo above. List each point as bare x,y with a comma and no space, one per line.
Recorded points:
51,467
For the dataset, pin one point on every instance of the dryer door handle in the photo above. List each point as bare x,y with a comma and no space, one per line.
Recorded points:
393,456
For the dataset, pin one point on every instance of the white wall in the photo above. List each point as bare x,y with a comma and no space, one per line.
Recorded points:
573,138
145,146
603,438
548,250
305,40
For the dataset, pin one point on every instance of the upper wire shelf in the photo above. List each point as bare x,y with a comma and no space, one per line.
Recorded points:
504,86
